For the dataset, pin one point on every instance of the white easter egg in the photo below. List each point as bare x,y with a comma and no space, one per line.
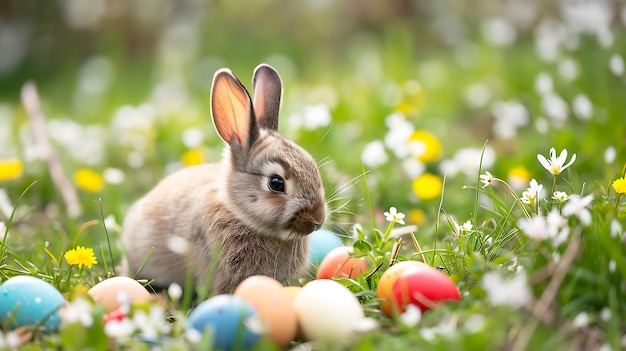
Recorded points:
328,312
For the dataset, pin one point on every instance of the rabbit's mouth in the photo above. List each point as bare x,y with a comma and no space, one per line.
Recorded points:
306,221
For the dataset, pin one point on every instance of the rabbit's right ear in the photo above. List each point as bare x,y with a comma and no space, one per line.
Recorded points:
231,108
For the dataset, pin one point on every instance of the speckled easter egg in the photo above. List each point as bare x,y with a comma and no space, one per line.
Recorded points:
26,300
232,322
270,299
107,292
321,242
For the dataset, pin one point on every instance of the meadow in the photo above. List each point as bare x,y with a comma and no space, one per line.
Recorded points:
496,129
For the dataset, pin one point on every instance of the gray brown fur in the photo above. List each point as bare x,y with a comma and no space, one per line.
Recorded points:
228,205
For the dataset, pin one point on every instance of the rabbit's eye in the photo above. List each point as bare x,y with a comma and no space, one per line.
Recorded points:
277,184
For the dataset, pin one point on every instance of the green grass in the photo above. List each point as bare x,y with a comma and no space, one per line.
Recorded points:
359,67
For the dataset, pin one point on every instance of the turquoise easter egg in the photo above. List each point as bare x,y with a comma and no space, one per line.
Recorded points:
321,242
233,322
26,300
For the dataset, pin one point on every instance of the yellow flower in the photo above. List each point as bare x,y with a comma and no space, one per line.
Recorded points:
427,186
81,256
192,157
519,177
620,185
89,180
417,216
430,147
11,168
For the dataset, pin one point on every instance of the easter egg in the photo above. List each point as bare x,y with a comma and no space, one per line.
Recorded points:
328,312
321,242
292,292
26,300
110,292
339,264
233,323
273,304
384,290
423,287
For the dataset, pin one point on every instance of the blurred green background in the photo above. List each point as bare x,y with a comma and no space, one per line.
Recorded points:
125,86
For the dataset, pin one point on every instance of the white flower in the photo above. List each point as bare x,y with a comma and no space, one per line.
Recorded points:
556,165
535,228
555,108
510,292
543,83
178,244
411,316
119,329
616,64
366,325
582,106
560,196
174,291
77,311
581,320
394,216
465,228
533,192
151,324
616,228
610,154
374,154
577,206
486,179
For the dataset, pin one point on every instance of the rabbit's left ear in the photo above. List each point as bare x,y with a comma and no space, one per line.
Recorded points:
268,91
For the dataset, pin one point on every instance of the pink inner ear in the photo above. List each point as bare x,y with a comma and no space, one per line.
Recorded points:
231,108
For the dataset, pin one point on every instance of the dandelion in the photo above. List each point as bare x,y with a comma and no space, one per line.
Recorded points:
556,165
560,196
10,169
620,185
394,216
430,147
518,177
192,157
89,180
486,179
81,256
577,206
427,186
417,216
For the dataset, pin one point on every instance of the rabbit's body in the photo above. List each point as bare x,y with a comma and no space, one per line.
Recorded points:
255,208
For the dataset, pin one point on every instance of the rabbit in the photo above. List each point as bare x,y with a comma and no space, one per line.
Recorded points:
254,209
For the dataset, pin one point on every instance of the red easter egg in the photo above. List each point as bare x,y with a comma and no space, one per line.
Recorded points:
423,287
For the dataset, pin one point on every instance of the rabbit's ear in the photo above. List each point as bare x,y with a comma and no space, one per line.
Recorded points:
268,91
231,108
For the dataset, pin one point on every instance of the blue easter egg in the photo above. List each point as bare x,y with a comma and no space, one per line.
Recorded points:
321,242
26,300
234,322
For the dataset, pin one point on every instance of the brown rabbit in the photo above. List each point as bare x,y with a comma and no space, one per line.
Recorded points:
255,208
